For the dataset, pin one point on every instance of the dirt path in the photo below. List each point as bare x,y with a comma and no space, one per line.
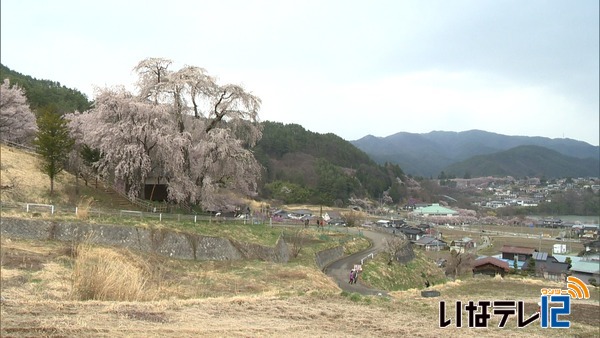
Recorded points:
340,269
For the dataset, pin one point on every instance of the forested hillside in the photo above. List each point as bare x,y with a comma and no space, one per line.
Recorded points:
303,166
532,161
46,93
428,154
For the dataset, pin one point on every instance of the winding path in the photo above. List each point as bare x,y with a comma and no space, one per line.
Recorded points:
340,270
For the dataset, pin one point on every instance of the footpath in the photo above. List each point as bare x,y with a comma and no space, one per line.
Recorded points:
340,269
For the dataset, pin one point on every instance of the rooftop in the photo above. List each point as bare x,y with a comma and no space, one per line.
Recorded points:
517,250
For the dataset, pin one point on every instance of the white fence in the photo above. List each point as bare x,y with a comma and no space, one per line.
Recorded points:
33,206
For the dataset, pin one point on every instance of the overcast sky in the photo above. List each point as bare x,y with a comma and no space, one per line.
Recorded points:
351,68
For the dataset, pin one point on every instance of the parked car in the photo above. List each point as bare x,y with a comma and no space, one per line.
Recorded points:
337,222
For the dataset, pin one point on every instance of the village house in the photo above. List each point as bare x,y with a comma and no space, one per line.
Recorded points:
463,245
586,268
586,231
413,234
280,214
300,214
548,267
490,266
519,253
431,244
332,216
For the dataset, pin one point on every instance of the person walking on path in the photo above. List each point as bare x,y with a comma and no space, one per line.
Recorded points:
352,276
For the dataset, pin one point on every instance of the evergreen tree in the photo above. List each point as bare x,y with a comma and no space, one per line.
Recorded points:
531,266
53,143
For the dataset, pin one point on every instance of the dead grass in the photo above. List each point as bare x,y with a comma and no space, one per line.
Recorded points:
84,206
232,299
21,172
105,274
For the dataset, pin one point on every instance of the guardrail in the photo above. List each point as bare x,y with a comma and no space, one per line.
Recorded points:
31,206
57,211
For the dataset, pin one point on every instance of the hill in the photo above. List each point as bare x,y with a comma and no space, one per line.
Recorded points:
532,161
21,180
43,93
428,154
306,167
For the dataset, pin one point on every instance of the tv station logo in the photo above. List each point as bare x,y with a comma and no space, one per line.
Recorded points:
553,305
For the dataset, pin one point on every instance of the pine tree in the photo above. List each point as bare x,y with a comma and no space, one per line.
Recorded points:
53,143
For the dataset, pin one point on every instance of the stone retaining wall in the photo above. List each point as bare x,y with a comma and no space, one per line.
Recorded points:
323,258
164,242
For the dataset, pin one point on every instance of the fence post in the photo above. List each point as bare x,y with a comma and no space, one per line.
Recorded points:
160,217
194,218
27,207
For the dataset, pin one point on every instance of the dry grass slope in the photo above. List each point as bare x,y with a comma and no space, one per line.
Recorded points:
22,180
42,282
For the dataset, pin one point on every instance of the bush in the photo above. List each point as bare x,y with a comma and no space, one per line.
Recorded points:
355,297
104,274
83,207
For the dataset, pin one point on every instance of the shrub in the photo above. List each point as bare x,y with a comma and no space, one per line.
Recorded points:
355,297
104,274
83,207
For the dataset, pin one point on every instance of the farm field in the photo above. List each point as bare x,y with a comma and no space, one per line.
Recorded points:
505,235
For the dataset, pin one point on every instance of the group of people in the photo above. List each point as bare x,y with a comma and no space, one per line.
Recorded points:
353,276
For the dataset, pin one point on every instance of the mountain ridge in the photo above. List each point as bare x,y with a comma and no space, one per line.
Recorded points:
526,160
427,154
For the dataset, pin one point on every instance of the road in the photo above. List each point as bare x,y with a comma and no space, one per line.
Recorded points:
340,269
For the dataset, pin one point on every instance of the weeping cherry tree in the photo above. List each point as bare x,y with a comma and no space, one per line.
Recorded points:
182,128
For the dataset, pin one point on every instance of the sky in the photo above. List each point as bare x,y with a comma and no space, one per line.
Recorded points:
352,68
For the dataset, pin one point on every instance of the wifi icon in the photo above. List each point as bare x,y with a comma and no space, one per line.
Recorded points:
577,289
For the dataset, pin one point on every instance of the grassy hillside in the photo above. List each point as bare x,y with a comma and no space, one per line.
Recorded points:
22,180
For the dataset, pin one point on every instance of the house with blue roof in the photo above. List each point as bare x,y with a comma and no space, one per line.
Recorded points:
586,269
